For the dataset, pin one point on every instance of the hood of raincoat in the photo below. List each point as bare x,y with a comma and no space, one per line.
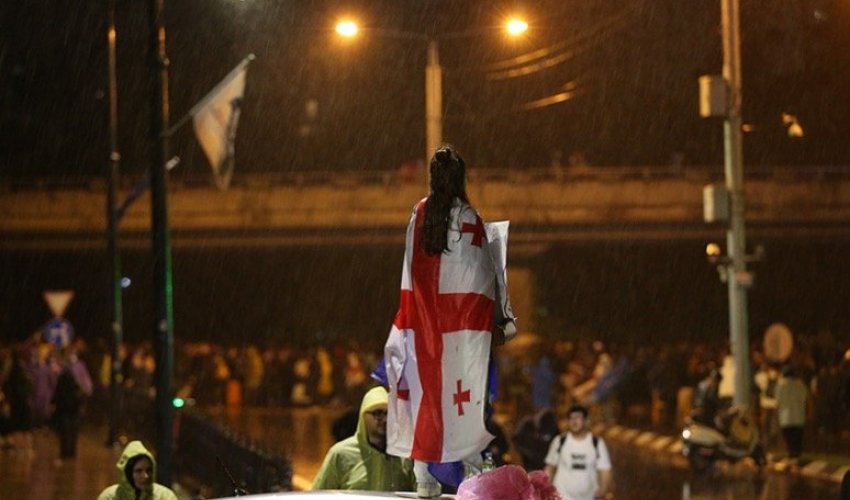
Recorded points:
354,464
133,449
376,397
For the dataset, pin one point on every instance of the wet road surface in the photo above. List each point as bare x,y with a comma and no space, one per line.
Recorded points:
36,475
304,435
640,473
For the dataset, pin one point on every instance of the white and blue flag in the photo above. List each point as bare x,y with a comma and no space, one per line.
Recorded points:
215,119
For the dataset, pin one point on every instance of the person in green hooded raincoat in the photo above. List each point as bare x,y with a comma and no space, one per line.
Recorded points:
136,473
360,461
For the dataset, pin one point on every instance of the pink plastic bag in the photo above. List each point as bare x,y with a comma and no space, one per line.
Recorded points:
544,488
509,482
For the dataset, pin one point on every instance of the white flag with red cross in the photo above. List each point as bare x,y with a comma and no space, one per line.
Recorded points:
438,349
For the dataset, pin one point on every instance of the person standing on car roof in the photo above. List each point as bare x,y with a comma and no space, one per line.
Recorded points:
453,308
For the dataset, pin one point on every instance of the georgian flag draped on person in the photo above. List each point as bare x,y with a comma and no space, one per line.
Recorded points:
436,355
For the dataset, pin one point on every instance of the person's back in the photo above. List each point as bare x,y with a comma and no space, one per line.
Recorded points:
68,396
532,438
438,350
791,394
706,400
543,384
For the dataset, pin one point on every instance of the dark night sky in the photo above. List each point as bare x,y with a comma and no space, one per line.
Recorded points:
635,63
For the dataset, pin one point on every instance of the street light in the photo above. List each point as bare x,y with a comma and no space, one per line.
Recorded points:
347,28
516,26
433,71
722,97
736,243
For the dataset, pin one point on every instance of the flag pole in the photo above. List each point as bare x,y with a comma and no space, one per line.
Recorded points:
162,279
208,97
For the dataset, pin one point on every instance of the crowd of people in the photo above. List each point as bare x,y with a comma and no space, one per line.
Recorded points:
652,385
648,385
42,384
45,386
660,386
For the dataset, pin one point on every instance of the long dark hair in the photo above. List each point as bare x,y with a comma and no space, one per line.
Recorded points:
448,181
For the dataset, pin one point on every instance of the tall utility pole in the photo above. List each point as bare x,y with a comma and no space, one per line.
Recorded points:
112,239
433,104
162,279
735,239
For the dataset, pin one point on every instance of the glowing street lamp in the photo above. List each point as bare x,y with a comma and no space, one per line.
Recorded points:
433,72
347,28
516,26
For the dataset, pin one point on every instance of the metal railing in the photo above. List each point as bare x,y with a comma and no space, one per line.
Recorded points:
209,454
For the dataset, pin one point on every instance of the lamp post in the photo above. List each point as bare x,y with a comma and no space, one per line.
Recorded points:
735,238
161,236
433,101
722,97
112,238
433,72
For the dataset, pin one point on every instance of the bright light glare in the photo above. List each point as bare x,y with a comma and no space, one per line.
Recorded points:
347,28
517,26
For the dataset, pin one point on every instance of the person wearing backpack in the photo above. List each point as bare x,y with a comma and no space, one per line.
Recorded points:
578,463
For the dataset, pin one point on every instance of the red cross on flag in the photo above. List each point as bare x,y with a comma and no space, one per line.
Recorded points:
439,345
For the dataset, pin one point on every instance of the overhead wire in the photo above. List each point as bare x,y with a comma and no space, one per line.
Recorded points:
548,57
555,54
568,91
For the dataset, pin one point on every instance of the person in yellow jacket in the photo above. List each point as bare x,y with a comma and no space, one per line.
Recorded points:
360,462
136,473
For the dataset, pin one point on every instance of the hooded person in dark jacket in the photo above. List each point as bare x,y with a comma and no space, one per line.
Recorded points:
136,474
73,386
